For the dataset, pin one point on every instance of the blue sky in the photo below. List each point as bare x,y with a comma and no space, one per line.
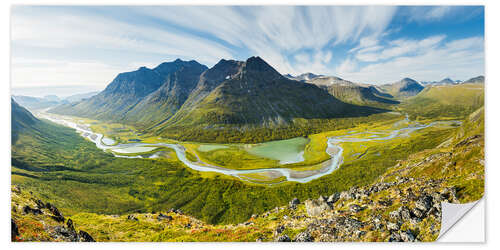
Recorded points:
55,48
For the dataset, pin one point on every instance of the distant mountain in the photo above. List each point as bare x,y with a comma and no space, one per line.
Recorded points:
404,88
302,77
350,92
477,79
36,103
140,96
445,81
79,97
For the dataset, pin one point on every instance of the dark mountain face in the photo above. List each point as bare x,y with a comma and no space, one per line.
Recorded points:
126,92
405,88
254,93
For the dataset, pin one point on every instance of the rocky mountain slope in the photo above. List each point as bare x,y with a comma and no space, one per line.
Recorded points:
404,88
361,94
141,96
477,79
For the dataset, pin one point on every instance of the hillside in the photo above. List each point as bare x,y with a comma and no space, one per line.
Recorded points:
477,79
403,204
447,101
404,88
350,92
150,95
35,103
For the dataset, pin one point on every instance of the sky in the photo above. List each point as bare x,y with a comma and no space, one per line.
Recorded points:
67,49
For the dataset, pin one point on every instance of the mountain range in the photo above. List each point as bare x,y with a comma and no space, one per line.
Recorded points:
406,87
232,94
36,103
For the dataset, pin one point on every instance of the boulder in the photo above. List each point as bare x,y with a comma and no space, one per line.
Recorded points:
284,238
395,215
56,215
293,203
333,198
85,237
407,236
28,210
354,208
132,217
395,237
164,217
303,237
14,230
424,203
392,226
316,207
417,213
405,213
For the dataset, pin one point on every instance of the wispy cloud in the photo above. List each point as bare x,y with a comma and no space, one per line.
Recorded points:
90,45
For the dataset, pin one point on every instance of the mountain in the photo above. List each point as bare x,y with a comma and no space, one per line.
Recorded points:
21,118
35,103
236,94
477,79
404,88
445,81
302,77
350,92
79,97
140,95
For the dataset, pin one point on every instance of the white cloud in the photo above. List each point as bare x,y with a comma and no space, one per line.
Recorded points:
458,59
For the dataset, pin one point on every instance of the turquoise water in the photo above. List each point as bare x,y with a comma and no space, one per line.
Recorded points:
286,151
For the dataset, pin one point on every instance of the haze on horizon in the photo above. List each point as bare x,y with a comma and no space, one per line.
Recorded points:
61,49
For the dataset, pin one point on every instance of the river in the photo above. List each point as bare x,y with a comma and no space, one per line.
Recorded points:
334,150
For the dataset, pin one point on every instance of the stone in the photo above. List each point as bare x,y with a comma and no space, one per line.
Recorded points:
85,237
407,236
284,238
28,210
164,217
293,203
14,230
39,204
279,229
405,213
418,213
132,217
395,215
354,208
392,226
424,203
57,216
303,237
316,207
333,198
395,237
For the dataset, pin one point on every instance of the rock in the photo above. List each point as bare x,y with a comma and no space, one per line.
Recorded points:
16,189
417,213
407,236
164,217
255,216
333,198
450,194
284,238
14,230
316,207
70,225
395,237
435,212
85,237
404,213
57,216
395,215
352,224
385,203
424,203
28,210
293,203
358,234
39,204
303,237
410,195
414,220
188,226
65,233
279,230
354,208
392,226
132,217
